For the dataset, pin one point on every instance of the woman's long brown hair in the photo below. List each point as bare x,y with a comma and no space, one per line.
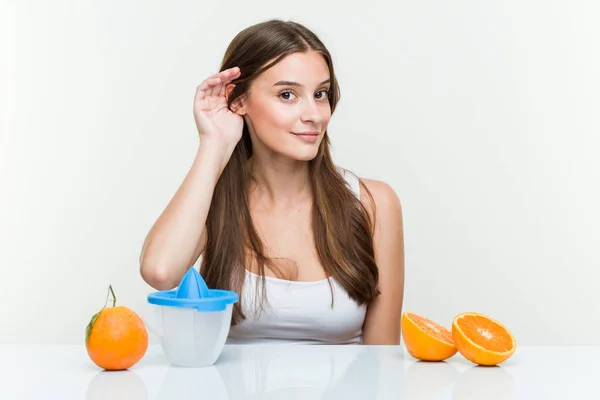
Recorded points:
342,228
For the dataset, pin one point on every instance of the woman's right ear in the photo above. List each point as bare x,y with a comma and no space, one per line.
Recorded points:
237,106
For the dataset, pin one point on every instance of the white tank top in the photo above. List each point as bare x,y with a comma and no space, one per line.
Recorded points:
299,312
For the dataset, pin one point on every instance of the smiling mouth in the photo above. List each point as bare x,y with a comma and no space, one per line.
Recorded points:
307,137
306,133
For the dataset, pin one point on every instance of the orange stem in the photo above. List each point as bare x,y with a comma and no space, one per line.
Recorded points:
114,298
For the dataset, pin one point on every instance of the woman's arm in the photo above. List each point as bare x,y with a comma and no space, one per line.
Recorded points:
178,237
382,323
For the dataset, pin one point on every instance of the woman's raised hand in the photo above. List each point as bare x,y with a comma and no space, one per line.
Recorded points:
214,120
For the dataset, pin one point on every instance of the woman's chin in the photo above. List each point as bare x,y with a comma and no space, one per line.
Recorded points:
304,154
305,151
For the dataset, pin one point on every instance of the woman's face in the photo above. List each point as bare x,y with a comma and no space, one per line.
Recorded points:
287,110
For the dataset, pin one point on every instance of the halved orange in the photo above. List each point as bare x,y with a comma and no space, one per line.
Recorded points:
426,340
481,339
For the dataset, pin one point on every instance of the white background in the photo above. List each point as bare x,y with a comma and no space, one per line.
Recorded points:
483,116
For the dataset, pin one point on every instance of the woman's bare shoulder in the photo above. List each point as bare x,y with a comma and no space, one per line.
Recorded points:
382,196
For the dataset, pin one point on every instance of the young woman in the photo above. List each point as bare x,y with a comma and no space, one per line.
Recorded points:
315,253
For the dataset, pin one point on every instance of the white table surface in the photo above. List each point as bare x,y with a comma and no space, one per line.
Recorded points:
301,372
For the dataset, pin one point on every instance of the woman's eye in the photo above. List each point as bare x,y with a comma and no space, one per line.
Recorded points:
286,95
325,93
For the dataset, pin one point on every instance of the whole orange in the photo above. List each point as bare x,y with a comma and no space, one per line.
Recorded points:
116,337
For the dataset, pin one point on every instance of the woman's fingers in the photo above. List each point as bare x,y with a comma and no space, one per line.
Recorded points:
205,87
212,90
215,84
233,75
229,74
225,77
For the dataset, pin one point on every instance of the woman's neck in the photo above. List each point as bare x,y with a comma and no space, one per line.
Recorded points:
280,184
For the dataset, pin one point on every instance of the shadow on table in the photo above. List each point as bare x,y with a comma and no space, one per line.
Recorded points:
425,379
286,372
361,380
316,372
116,385
184,383
478,382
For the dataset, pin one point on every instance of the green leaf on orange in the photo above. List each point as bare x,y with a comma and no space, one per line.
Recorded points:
88,329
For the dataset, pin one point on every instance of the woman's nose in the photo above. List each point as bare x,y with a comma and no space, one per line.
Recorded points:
311,112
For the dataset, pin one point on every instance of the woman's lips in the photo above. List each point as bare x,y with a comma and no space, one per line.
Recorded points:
310,137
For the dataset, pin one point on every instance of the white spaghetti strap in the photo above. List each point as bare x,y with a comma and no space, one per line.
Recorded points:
352,181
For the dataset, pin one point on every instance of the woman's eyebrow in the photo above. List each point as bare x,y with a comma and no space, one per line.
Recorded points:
290,83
